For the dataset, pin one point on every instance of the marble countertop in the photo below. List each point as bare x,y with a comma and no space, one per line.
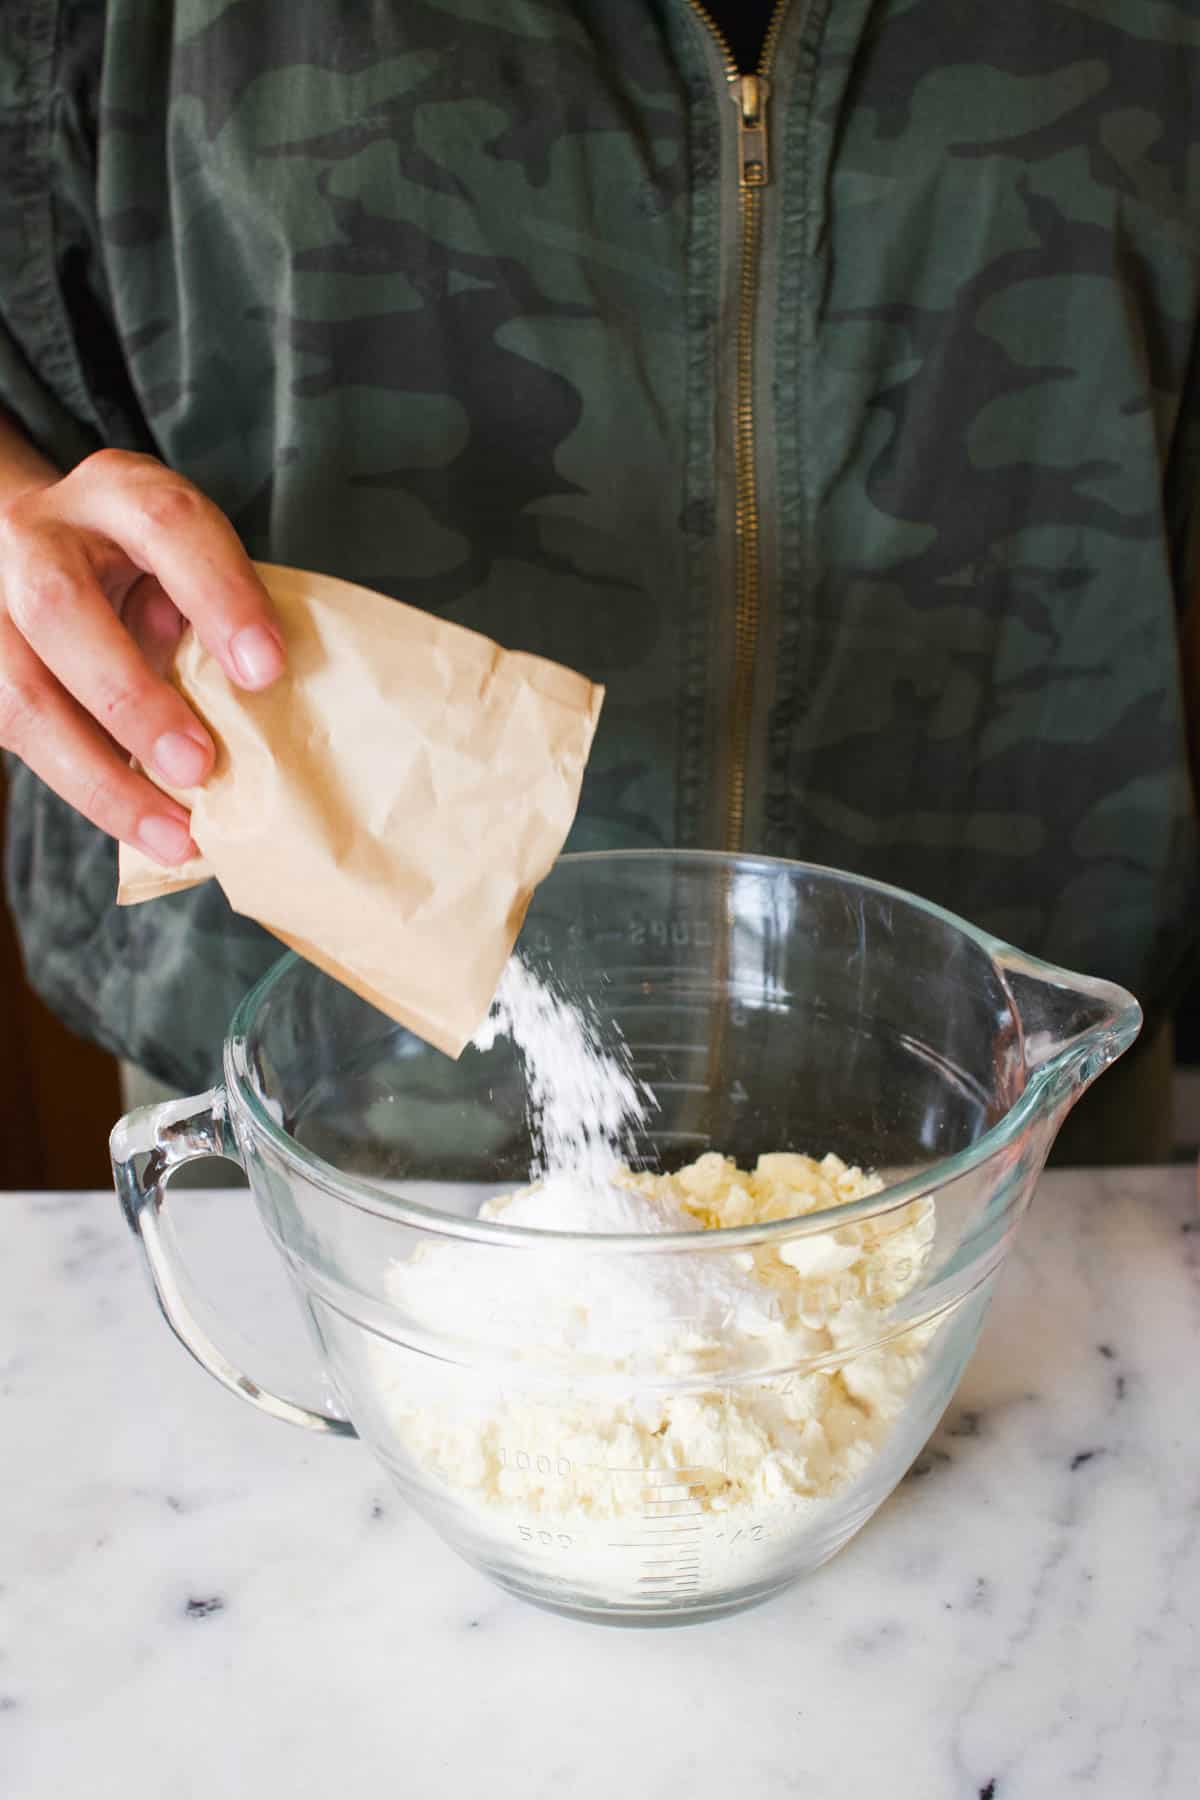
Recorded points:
196,1601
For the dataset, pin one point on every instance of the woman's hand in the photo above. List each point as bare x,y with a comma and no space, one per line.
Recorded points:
98,571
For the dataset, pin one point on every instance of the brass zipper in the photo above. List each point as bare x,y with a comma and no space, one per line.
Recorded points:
751,95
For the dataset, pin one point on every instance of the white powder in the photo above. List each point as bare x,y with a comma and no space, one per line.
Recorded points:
584,1111
601,1375
584,1106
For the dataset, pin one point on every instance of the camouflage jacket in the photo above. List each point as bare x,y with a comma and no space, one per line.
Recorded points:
846,426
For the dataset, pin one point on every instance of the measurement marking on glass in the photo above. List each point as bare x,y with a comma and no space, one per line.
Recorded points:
647,1474
660,1527
657,1476
668,1536
652,1536
656,1525
646,1543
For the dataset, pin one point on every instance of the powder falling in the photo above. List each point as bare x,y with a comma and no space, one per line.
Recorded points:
584,1105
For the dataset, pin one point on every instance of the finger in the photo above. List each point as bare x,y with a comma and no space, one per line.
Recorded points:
171,530
153,622
50,732
54,600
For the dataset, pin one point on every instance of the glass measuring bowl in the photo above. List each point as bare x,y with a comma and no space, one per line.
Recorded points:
650,1429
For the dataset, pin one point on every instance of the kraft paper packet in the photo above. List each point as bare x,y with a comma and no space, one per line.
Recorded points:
389,806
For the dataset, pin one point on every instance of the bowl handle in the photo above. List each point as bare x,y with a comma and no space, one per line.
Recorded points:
146,1147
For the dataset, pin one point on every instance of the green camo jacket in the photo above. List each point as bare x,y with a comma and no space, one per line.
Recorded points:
867,491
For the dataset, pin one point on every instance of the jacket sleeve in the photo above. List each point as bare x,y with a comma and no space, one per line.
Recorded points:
53,333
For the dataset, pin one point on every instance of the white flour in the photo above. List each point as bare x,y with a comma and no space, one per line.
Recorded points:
584,1105
568,1382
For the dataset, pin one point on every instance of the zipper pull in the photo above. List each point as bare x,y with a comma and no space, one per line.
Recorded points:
749,94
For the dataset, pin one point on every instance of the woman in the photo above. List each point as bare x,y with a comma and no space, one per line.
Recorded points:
842,417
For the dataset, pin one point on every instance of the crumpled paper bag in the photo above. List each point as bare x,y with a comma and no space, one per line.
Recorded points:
389,805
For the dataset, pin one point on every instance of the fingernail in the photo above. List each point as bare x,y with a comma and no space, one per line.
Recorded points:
166,839
256,655
182,759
